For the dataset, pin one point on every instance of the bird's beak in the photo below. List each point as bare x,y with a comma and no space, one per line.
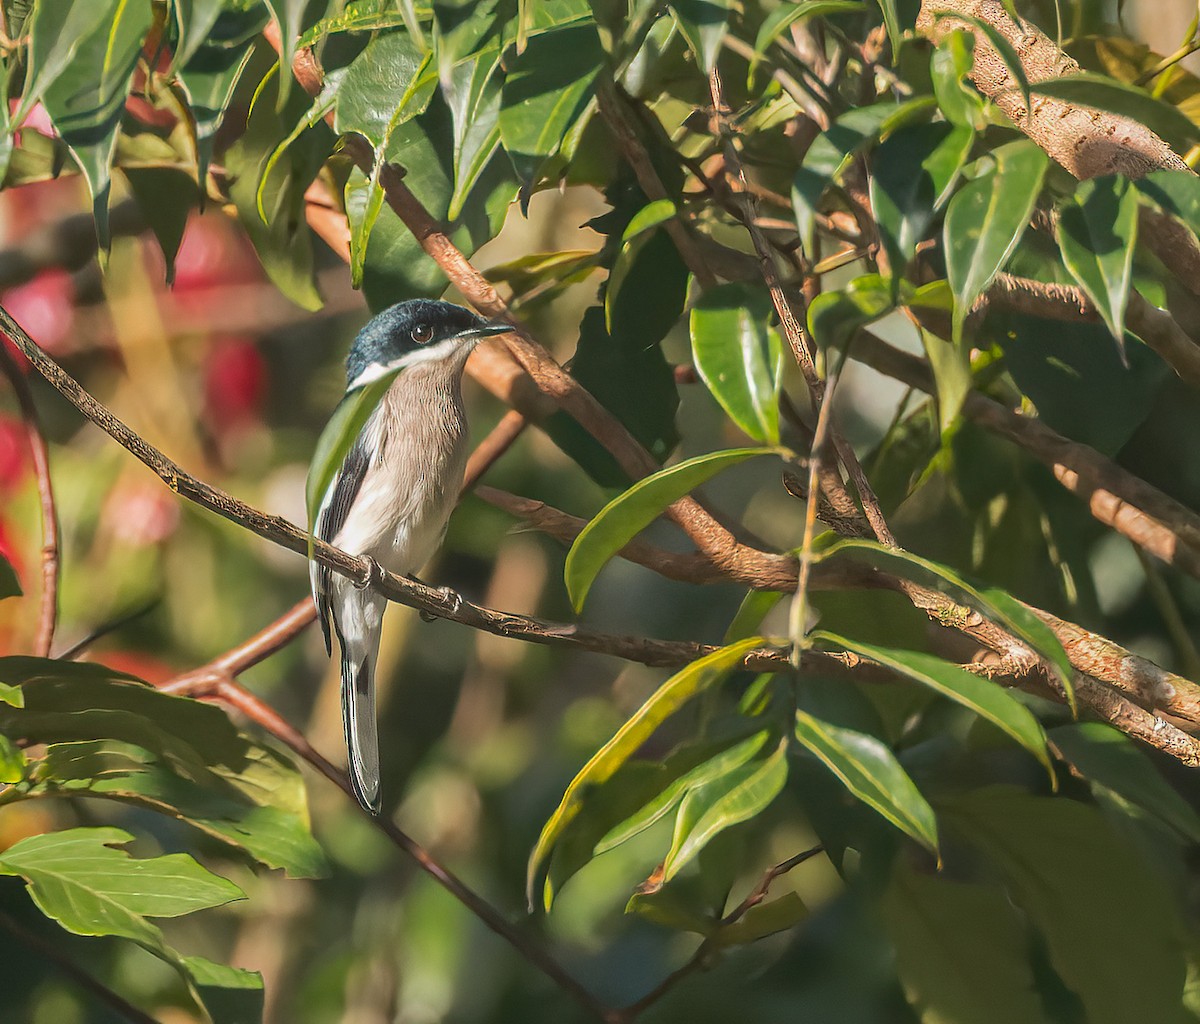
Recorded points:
484,331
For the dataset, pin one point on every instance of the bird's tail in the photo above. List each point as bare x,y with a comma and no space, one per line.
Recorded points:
362,733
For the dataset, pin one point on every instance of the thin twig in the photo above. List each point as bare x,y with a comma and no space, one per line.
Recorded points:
93,986
40,456
225,689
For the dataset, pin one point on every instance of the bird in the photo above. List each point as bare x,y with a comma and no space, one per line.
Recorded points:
392,496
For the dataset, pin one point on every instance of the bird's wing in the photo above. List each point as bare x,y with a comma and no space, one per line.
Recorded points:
335,508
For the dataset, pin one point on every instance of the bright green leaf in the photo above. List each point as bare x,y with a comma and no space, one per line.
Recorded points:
12,762
950,66
629,513
834,317
740,356
697,677
1097,235
728,800
754,608
13,695
1003,48
769,918
287,15
951,366
785,15
869,770
986,219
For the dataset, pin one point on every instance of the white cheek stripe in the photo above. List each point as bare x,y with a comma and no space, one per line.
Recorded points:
432,354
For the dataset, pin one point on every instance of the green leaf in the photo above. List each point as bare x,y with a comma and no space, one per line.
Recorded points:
649,216
785,15
951,376
1000,607
891,21
985,698
78,879
702,23
754,608
1174,192
472,90
730,799
194,21
229,994
545,92
950,66
12,762
1004,49
740,356
287,14
870,771
986,219
834,317
1060,858
274,836
12,695
1107,757
10,586
1100,92
962,950
764,919
109,735
629,513
338,437
697,677
1097,235
85,99
722,764
912,172
56,29
357,16
390,82
166,198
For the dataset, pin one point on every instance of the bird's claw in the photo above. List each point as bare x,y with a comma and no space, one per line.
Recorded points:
374,574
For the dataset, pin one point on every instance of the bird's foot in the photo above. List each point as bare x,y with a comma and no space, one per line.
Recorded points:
373,575
452,597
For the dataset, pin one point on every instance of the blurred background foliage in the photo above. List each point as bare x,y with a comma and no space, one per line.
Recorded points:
1075,904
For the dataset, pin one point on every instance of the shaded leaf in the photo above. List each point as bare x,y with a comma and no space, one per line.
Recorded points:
986,219
1174,192
629,513
952,62
951,366
869,770
10,586
777,915
730,799
1003,48
755,607
785,15
997,605
962,951
1097,235
697,677
194,20
1107,757
740,356
472,91
987,699
12,761
835,316
702,23
287,15
166,198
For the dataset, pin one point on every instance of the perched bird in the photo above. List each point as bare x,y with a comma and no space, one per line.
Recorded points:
395,490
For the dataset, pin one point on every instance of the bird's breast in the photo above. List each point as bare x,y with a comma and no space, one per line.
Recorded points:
417,444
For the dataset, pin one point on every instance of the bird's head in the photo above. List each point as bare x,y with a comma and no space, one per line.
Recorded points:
418,331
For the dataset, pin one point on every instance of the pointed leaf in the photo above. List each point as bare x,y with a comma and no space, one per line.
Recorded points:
697,677
1097,235
987,699
952,63
755,607
730,799
12,762
785,15
12,695
1000,607
870,771
740,356
472,91
834,317
629,513
703,24
287,15
986,219
194,20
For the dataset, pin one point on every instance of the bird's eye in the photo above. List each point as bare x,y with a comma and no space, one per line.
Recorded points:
422,334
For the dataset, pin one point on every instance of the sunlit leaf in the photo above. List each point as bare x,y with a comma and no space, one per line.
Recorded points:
785,15
740,356
703,24
629,513
1097,235
869,770
950,66
1003,48
697,677
287,15
986,219
834,316
12,761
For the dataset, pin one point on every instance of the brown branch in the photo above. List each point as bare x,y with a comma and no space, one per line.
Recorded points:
224,689
93,986
1087,142
40,456
1156,327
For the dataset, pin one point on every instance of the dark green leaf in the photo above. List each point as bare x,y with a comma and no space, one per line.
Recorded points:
287,15
869,770
951,366
391,81
629,513
357,16
985,698
702,23
1002,47
962,952
697,677
166,198
957,98
545,92
1097,235
86,97
55,30
754,608
764,919
473,93
786,15
194,20
834,317
10,586
1174,192
740,356
1106,757
1060,858
998,606
730,799
986,219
